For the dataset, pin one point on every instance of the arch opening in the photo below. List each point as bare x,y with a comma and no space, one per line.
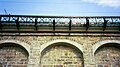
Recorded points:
13,55
108,55
61,54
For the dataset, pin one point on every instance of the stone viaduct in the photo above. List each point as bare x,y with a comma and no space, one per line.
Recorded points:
76,49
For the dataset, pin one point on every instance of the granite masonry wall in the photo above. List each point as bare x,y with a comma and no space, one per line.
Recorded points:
59,51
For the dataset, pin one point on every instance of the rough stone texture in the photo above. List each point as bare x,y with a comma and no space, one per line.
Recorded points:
108,56
13,56
61,56
88,42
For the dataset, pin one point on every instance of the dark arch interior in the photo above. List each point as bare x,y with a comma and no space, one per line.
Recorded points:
108,55
116,45
13,55
8,44
62,54
62,44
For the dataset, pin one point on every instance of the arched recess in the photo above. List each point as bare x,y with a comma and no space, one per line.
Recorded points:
107,53
97,45
61,53
25,45
77,45
13,54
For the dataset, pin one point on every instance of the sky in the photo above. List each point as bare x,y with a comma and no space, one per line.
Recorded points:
61,7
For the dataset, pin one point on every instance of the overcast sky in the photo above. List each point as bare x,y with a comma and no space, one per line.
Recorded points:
61,7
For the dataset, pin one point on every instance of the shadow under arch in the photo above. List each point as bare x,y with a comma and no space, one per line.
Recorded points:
13,55
108,55
9,44
65,45
72,43
105,42
116,45
24,45
62,44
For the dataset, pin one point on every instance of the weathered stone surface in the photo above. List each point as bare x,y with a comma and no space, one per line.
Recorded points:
13,56
88,44
62,56
108,56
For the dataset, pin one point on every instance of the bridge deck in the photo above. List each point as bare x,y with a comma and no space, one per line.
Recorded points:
59,24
